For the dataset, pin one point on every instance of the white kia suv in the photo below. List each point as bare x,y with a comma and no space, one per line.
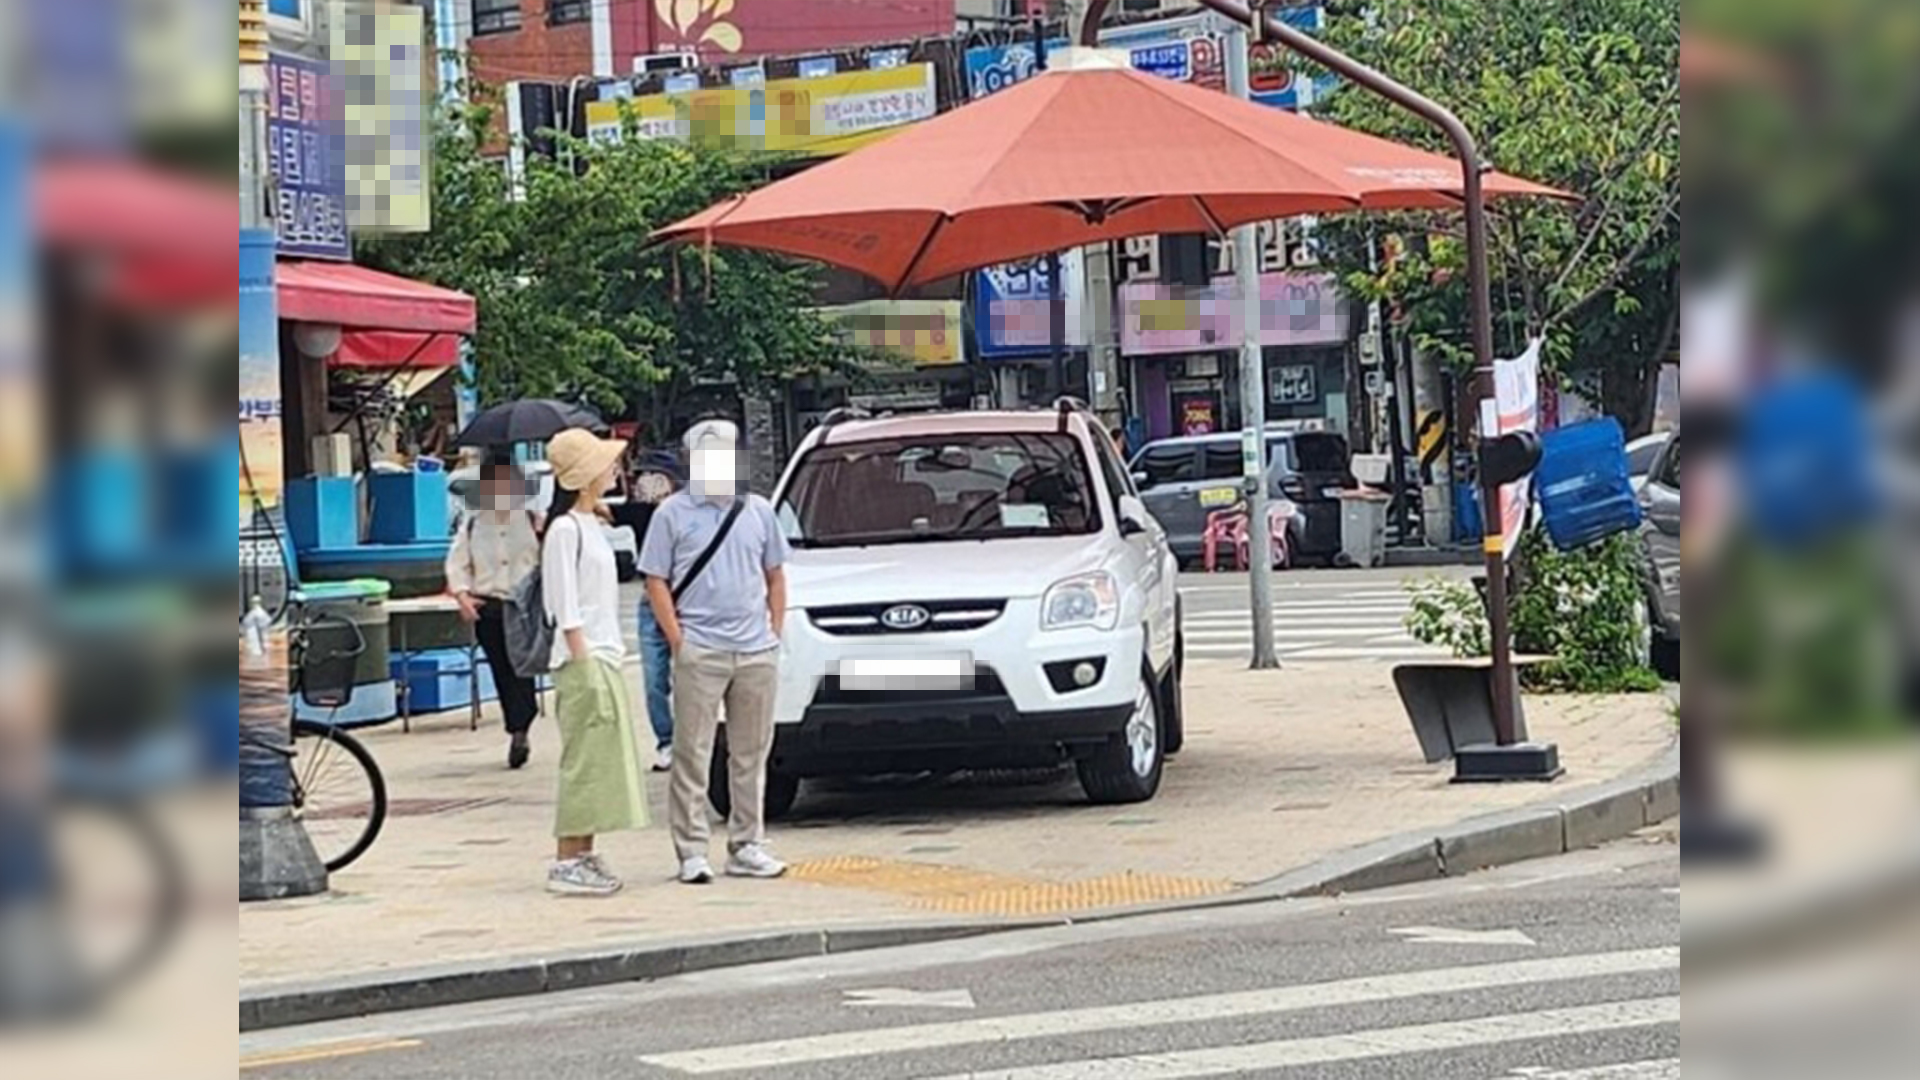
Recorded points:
974,590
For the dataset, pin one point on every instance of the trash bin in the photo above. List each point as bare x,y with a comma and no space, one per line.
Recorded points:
328,607
1363,528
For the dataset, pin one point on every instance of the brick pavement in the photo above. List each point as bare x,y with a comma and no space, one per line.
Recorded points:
1281,768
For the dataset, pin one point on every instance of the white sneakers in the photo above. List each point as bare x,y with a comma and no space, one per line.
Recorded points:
584,876
750,861
754,861
663,759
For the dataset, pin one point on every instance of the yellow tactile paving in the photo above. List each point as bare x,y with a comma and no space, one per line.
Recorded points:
970,892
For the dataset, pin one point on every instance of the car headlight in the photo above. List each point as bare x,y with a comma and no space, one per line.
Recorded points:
1084,600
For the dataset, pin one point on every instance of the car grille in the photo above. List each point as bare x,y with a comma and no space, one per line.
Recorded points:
943,616
986,684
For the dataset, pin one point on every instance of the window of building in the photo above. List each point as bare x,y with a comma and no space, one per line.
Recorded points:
495,16
562,12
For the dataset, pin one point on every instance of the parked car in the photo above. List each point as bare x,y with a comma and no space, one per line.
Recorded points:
1184,479
1641,454
626,545
973,590
1660,532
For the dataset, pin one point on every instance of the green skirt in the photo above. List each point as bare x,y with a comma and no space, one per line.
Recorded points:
600,775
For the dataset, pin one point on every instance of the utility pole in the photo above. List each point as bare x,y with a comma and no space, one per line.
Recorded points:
1253,397
276,857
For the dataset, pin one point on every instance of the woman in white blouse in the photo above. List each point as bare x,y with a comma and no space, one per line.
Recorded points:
601,779
494,548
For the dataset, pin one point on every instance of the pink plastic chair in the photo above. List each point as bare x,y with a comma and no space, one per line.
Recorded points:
1229,527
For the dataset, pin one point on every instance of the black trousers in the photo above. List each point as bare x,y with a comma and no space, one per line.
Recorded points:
517,695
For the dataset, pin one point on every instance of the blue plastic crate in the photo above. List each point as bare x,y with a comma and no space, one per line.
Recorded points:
1585,490
323,512
437,680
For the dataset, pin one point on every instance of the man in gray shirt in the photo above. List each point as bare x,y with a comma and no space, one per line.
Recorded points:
724,628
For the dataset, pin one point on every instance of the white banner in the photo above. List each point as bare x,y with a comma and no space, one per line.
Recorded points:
1515,406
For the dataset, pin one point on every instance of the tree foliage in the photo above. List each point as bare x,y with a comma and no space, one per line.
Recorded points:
1582,95
573,301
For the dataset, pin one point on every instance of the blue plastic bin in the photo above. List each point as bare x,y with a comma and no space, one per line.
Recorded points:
1583,485
437,680
323,512
408,507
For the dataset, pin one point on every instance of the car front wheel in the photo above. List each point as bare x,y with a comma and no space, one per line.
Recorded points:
1127,769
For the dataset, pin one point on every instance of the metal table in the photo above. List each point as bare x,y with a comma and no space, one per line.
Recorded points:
403,615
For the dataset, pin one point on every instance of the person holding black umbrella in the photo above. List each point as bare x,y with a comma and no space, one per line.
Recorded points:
495,546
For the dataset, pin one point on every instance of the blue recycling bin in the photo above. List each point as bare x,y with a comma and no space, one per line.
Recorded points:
1583,484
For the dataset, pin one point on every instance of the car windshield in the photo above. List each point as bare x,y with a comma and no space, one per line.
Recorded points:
939,487
1319,452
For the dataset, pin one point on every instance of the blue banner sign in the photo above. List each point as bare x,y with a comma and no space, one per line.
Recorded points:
305,150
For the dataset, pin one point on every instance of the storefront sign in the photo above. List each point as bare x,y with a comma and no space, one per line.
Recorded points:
1013,308
1295,309
379,50
993,68
819,116
926,332
1293,384
305,153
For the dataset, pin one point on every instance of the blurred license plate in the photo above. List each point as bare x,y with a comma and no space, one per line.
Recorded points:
1219,496
920,671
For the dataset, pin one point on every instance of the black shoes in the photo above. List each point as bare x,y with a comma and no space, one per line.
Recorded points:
518,751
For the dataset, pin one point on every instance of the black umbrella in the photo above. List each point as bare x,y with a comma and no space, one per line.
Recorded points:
534,420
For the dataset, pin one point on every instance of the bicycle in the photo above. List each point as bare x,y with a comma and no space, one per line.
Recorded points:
339,793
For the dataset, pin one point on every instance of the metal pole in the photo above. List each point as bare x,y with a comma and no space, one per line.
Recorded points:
1253,399
1056,286
1479,301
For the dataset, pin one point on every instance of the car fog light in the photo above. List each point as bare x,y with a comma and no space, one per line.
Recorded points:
1084,673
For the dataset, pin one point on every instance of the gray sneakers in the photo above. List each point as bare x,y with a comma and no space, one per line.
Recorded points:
695,870
754,861
583,876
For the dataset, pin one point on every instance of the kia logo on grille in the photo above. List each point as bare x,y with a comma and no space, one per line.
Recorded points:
905,617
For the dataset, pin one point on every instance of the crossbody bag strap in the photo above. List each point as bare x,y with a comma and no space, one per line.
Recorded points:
719,537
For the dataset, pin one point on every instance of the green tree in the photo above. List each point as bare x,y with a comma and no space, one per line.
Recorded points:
1579,94
574,302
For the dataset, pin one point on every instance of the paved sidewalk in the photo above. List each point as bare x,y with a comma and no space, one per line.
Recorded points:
1281,769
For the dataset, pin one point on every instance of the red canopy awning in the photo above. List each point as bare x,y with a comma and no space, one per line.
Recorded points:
356,298
386,321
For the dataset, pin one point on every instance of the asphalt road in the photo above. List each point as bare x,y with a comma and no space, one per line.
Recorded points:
1563,968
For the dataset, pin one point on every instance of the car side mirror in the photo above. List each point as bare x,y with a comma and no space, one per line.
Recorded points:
1141,480
1133,516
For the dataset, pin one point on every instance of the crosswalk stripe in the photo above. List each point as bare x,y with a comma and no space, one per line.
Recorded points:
1664,1069
1305,610
1357,1046
1372,652
1286,619
1280,633
1187,1010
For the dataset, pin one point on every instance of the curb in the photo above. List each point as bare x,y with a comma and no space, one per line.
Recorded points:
1581,818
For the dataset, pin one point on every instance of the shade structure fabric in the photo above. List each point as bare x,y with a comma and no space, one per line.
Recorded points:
386,321
160,240
1071,158
355,297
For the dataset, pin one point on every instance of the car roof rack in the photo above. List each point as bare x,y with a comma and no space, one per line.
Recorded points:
843,414
1067,406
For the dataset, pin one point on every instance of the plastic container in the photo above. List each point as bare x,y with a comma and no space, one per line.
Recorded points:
410,569
1583,485
322,512
1363,528
408,507
437,680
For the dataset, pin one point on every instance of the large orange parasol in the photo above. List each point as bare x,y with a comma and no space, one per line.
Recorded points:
1071,158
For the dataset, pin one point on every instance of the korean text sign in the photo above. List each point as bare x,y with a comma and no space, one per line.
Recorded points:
305,154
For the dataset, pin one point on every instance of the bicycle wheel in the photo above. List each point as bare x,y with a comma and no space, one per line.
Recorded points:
337,791
121,890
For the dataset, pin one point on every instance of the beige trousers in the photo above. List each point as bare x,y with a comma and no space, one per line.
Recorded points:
703,679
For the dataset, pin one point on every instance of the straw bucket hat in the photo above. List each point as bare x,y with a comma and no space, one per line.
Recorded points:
578,456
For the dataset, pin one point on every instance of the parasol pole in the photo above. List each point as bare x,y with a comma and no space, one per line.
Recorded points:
1479,302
